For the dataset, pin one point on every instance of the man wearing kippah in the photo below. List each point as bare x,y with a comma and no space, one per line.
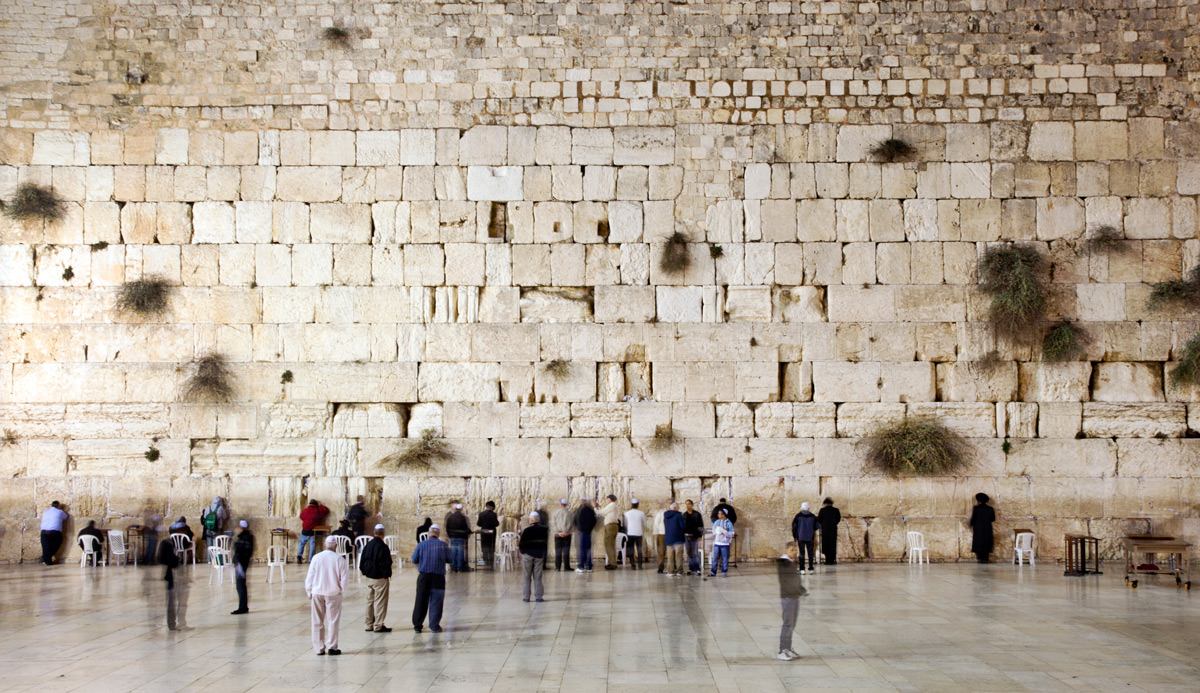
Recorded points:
635,521
324,585
562,523
376,566
430,557
243,553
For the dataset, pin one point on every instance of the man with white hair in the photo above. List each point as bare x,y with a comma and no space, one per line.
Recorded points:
430,557
375,562
533,556
325,583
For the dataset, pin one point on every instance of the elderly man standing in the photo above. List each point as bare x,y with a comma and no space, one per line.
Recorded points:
376,566
561,524
533,556
430,557
635,520
325,583
676,529
612,520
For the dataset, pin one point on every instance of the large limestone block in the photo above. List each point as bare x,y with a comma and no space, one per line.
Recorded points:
907,382
774,457
1061,382
425,416
545,420
1052,141
501,183
340,223
643,146
556,305
734,420
854,142
1157,458
578,456
485,145
860,420
1020,419
250,458
773,420
115,421
577,385
814,420
835,381
309,183
978,382
968,419
520,456
1063,458
61,148
1127,382
1059,419
464,382
126,457
756,381
297,420
854,304
482,420
1102,420
600,419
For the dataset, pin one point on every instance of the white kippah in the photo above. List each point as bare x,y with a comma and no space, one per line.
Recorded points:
634,500
330,540
534,516
433,527
458,506
243,523
378,526
562,500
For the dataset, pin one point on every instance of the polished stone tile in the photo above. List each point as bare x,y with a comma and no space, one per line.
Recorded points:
865,627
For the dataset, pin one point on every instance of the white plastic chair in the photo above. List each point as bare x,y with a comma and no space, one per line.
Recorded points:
422,537
706,549
1024,547
218,560
277,558
183,546
224,544
392,543
116,547
342,548
622,544
506,557
91,549
916,548
360,543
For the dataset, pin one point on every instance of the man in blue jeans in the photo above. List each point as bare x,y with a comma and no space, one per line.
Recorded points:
722,538
430,557
693,534
458,528
585,522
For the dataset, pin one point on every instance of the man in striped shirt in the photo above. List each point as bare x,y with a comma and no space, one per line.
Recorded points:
430,557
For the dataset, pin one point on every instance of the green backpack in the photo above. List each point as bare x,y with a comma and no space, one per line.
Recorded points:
210,521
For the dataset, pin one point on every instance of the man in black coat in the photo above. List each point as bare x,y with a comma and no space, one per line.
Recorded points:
730,513
177,585
243,553
488,523
982,538
828,519
358,517
585,522
458,529
693,533
533,556
376,567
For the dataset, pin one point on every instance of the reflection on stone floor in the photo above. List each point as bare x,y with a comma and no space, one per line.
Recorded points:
953,627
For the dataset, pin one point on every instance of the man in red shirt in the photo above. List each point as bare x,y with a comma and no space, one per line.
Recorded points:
310,518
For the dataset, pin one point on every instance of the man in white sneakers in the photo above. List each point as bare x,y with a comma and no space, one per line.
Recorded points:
325,583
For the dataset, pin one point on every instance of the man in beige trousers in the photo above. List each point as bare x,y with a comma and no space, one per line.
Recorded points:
375,563
324,584
612,517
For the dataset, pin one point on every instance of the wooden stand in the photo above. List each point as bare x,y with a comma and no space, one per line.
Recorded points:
285,537
1081,550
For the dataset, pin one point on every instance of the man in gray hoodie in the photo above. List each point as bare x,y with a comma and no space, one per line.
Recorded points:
562,523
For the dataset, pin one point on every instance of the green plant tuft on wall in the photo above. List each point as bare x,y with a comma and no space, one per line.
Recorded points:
918,446
675,258
35,203
715,251
892,150
152,454
286,378
146,296
1065,341
211,380
423,452
1183,292
1013,276
1187,369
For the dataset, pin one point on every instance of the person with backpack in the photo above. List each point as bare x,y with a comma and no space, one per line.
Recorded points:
213,519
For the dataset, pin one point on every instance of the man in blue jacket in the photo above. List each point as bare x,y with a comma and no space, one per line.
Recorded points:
804,530
675,531
430,557
585,522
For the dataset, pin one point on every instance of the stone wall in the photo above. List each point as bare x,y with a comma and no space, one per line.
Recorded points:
413,225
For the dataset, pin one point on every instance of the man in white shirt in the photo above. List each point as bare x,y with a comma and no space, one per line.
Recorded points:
611,514
326,580
635,520
52,532
660,537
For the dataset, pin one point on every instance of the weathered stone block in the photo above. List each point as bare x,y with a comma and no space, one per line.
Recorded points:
1134,420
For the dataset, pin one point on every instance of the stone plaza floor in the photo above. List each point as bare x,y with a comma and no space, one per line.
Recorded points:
942,627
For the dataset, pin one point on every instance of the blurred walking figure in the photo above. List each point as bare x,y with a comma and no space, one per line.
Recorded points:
562,524
804,531
533,556
430,557
790,591
722,538
243,553
357,515
828,519
176,576
660,537
90,531
376,566
324,584
488,522
585,520
635,522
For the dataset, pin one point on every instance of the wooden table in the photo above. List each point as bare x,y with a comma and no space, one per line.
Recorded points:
286,536
1147,546
1080,549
